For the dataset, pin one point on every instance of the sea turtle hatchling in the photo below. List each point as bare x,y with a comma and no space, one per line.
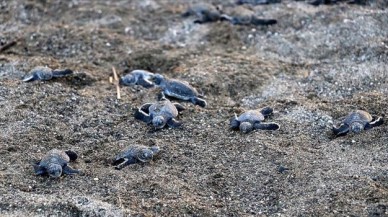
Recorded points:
243,16
55,163
179,89
138,77
252,119
356,122
257,2
45,74
160,113
135,154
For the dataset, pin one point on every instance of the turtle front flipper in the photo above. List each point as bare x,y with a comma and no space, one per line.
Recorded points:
72,155
257,21
234,123
225,17
161,96
141,115
199,101
174,123
145,83
61,73
266,111
122,162
38,169
69,171
146,107
316,2
187,13
179,107
342,130
31,77
376,121
266,126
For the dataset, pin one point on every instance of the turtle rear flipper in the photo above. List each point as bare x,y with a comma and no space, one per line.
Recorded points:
376,121
266,126
61,73
145,83
72,155
122,162
38,169
69,171
199,101
342,130
141,115
174,123
266,111
31,77
179,107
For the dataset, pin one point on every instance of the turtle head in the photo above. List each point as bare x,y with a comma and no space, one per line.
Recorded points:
246,127
158,79
127,80
159,122
54,170
145,155
356,127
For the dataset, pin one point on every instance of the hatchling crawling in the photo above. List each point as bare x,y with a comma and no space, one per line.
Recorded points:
138,77
45,73
55,163
135,154
356,122
160,114
243,16
257,2
179,89
253,120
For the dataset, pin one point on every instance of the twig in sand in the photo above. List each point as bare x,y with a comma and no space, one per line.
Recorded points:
115,81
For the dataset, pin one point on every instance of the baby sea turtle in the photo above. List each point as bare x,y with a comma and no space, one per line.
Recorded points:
252,119
203,12
208,13
55,163
257,2
45,74
138,77
179,89
244,16
356,122
160,113
135,154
